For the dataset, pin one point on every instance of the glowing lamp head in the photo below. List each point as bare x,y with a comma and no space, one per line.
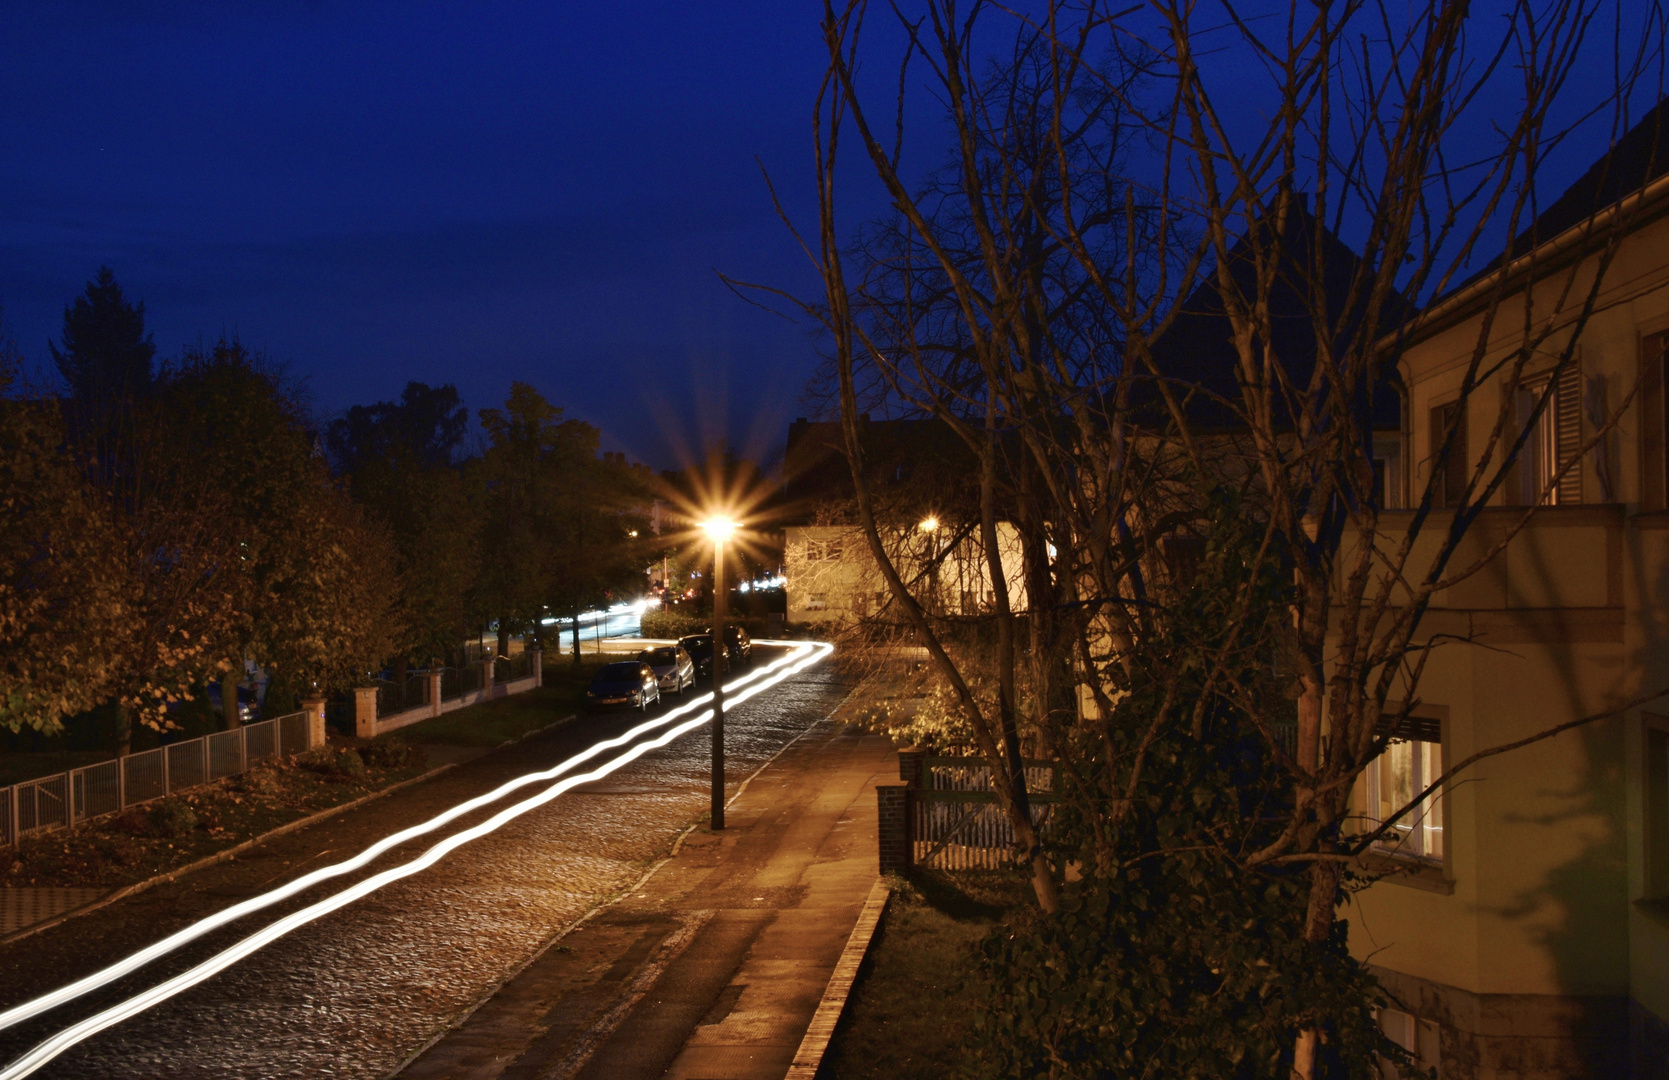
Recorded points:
929,524
719,528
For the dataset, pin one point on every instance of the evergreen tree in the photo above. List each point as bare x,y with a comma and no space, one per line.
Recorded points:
106,354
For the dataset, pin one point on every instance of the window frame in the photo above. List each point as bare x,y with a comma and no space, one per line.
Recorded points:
1451,487
1540,456
1557,441
1426,721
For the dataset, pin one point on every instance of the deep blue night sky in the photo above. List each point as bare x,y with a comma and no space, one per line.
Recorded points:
453,193
467,193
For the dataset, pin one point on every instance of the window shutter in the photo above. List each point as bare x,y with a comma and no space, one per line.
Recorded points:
1414,728
1568,432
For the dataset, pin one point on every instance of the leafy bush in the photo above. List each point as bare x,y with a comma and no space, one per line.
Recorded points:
260,780
338,763
134,822
677,624
392,752
1171,955
171,818
673,624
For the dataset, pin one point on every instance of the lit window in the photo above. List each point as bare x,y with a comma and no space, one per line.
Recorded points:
1406,768
1540,456
1554,439
1421,1038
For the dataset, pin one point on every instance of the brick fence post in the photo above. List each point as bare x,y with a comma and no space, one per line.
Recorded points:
315,708
893,803
365,712
434,689
912,766
538,668
487,680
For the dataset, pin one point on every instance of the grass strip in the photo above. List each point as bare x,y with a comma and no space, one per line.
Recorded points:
912,1013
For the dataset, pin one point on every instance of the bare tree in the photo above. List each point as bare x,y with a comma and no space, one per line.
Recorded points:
1032,295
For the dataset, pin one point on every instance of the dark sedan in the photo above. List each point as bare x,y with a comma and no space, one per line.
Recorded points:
700,648
630,682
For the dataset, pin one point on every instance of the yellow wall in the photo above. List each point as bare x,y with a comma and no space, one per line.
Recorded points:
1545,844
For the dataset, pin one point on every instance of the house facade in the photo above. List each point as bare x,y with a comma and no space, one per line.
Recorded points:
832,575
1524,929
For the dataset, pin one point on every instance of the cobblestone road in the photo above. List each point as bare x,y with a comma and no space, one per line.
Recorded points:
354,993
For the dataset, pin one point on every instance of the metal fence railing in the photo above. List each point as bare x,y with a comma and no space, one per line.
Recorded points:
956,822
960,774
510,668
394,697
456,682
966,830
70,798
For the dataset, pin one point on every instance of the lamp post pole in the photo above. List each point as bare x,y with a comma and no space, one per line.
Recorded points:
719,665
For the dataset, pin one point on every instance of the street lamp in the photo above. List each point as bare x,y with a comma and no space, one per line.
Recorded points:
720,529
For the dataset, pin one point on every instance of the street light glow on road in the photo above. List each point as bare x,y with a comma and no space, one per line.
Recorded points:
804,655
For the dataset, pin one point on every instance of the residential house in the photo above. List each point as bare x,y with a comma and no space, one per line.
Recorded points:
921,480
1525,933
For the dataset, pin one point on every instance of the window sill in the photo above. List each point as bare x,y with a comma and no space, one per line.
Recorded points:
1409,872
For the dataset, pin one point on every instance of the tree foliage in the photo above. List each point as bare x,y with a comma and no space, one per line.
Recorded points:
564,528
65,597
401,460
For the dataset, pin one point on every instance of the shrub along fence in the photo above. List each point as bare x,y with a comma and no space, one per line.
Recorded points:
70,798
945,815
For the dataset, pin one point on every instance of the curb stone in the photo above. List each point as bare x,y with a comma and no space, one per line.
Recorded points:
809,1057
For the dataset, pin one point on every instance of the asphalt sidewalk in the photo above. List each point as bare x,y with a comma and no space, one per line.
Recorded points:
715,964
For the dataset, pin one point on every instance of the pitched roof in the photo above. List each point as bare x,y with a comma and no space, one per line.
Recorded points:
1638,158
918,459
1198,347
1631,164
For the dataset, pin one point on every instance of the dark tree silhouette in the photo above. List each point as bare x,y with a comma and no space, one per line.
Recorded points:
106,354
422,430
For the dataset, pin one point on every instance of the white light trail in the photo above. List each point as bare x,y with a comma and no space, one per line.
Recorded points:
803,656
19,1013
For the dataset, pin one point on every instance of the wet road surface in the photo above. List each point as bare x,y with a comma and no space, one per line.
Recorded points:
355,993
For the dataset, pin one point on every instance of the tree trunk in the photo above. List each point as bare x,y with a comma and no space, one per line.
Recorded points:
1324,877
229,680
503,638
576,637
1318,924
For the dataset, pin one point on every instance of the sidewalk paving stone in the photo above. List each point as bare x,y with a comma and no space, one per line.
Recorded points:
714,965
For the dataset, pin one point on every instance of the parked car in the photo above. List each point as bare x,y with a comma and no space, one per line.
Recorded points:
249,708
673,667
740,645
739,649
629,682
